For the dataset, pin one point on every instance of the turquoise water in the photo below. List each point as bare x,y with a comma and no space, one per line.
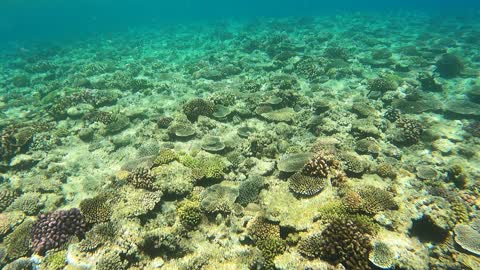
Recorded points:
239,135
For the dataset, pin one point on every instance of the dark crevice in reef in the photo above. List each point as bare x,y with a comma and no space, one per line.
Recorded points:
426,230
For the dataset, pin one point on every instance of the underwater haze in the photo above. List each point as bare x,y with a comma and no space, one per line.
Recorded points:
239,135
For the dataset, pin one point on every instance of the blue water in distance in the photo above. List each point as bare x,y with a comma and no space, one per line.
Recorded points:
25,20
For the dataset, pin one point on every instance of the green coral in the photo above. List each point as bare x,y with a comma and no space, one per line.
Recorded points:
211,167
18,242
97,209
54,260
266,236
165,156
189,213
29,203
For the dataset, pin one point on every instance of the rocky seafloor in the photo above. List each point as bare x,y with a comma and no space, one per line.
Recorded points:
333,142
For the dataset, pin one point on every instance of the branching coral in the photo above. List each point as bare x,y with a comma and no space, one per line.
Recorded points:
342,241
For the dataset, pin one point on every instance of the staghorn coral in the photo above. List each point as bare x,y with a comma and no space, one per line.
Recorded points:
342,241
97,209
141,178
55,229
270,248
196,107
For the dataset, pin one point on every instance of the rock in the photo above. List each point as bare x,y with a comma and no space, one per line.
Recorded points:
293,162
263,167
79,110
443,145
22,162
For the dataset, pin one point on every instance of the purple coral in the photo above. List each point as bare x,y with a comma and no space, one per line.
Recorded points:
55,229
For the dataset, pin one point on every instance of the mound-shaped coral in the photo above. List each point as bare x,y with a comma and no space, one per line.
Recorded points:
189,213
342,241
218,198
380,85
449,65
55,229
248,190
141,178
196,107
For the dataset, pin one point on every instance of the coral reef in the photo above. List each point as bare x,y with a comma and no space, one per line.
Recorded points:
449,65
141,178
342,241
196,107
55,229
97,209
